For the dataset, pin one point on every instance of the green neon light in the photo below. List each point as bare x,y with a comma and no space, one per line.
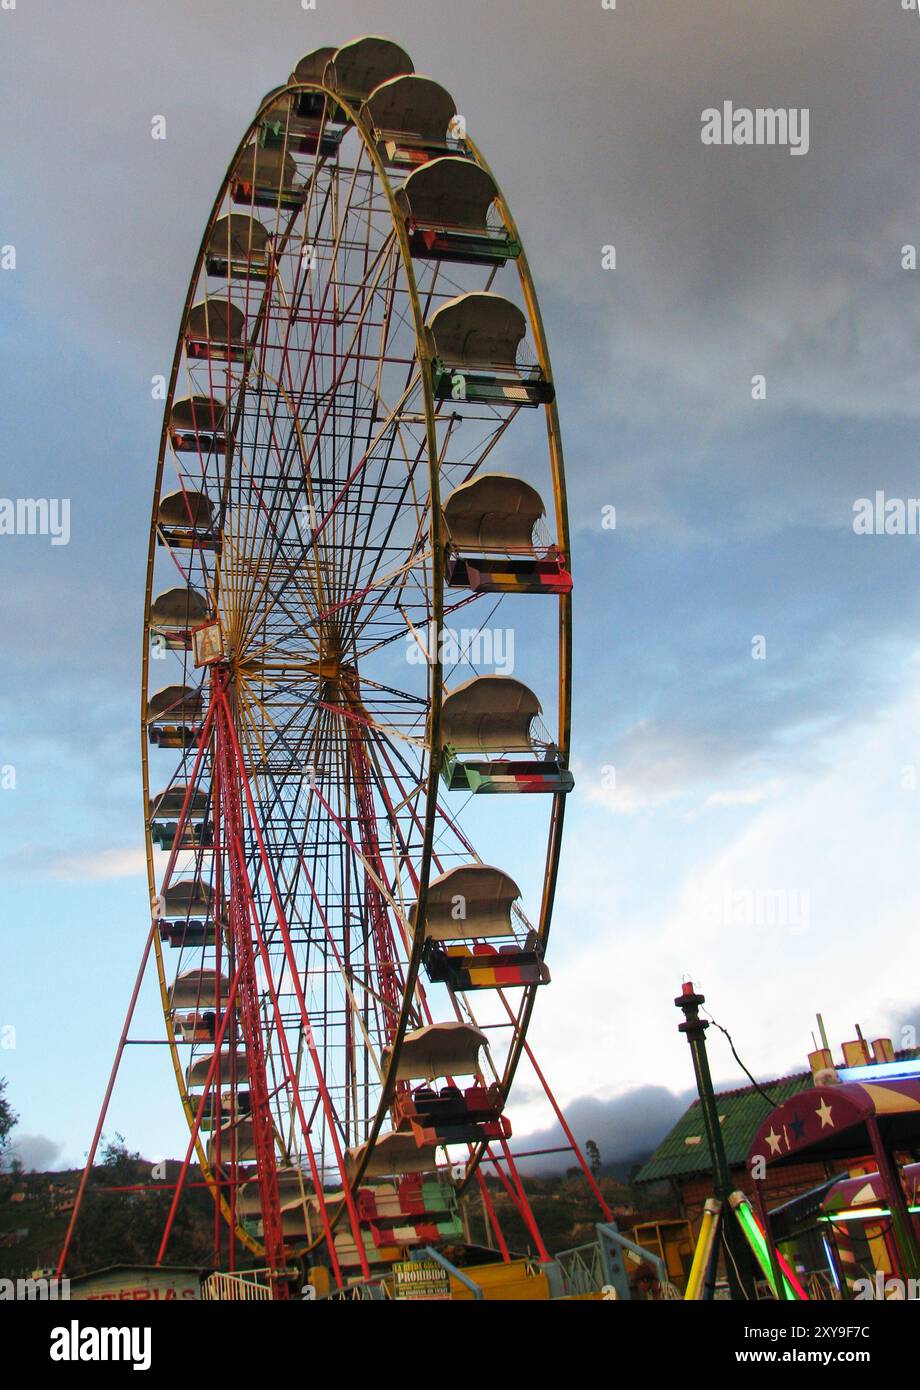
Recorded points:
758,1243
861,1214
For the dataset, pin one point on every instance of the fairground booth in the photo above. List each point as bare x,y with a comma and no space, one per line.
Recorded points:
855,1235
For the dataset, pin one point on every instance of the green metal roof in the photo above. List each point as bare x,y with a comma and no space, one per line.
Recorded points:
684,1151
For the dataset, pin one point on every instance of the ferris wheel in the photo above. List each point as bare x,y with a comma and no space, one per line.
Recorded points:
360,441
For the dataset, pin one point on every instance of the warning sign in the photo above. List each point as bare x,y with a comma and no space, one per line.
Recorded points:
420,1279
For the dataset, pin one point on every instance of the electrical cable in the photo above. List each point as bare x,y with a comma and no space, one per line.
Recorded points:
756,1084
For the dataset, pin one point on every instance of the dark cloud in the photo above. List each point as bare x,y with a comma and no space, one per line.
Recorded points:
592,120
36,1152
625,1129
686,703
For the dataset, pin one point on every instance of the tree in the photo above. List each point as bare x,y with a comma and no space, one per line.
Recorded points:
119,1167
119,1226
8,1119
593,1155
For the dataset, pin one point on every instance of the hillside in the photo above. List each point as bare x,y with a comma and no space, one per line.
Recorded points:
120,1227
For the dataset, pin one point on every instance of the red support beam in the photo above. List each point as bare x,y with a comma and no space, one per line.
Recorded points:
119,1051
281,919
241,934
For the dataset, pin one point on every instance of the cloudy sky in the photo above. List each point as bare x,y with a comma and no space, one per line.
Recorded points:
748,665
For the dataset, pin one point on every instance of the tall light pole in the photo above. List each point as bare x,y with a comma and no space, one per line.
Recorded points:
738,1262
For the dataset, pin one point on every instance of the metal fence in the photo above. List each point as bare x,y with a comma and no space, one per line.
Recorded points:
236,1286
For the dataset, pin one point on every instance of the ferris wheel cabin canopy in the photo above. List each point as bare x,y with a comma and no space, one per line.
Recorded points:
393,1153
449,192
312,66
198,986
216,321
293,1186
494,511
477,330
235,1138
266,166
178,607
230,1066
175,702
237,233
249,1196
185,508
489,714
358,67
484,896
412,106
238,246
170,801
187,896
196,413
439,1049
333,1202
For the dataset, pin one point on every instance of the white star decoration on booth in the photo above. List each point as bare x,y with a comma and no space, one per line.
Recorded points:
824,1114
774,1141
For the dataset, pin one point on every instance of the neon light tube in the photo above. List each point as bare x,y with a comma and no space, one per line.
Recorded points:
752,1229
702,1255
862,1214
830,1262
879,1071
